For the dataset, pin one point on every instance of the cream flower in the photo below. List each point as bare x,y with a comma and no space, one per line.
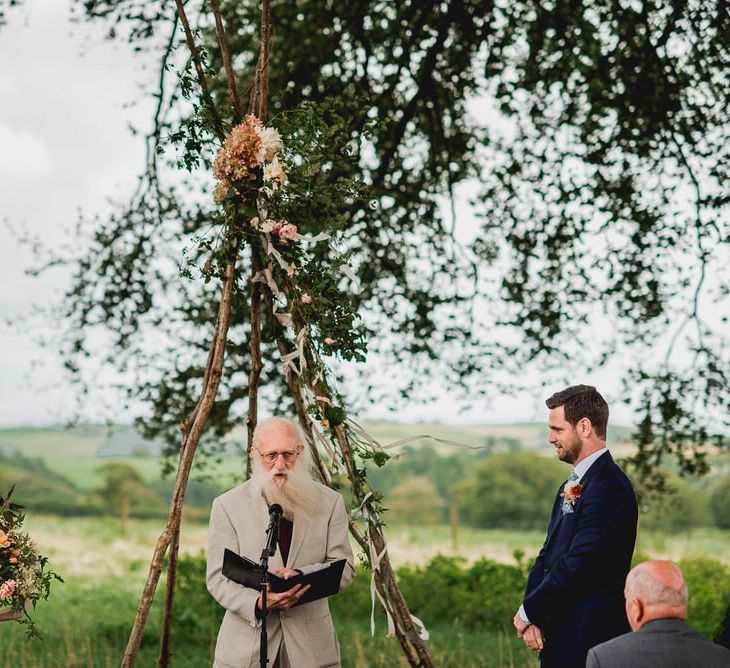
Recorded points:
268,225
4,539
275,174
269,144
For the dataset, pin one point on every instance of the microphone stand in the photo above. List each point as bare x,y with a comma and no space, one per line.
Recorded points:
272,533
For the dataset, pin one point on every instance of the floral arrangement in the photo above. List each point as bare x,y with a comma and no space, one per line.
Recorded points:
24,574
249,149
571,493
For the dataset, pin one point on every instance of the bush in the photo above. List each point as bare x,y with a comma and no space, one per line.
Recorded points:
197,615
483,596
720,502
708,583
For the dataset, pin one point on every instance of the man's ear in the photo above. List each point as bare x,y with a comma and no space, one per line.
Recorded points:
638,610
585,426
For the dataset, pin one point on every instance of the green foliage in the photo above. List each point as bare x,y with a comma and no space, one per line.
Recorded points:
708,584
442,470
720,502
415,501
481,596
197,615
484,595
512,490
681,505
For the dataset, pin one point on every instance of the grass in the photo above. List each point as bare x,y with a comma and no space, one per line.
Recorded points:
86,622
88,627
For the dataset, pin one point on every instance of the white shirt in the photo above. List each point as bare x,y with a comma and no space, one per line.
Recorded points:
581,468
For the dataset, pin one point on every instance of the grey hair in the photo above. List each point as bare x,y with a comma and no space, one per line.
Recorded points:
645,585
299,434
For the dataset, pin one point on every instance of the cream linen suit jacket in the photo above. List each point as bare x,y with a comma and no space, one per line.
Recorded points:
238,521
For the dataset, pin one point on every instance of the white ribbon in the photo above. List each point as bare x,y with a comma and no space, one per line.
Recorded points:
328,447
265,276
307,239
407,441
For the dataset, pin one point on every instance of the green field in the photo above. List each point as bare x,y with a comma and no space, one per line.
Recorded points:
87,620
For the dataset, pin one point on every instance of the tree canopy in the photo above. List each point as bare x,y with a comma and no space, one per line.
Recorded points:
597,133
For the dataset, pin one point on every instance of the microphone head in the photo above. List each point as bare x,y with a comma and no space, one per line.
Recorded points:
275,509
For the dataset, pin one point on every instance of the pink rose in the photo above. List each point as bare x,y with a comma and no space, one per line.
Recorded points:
288,232
306,299
329,341
276,228
6,590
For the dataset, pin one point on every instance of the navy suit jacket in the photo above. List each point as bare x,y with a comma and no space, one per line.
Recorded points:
575,589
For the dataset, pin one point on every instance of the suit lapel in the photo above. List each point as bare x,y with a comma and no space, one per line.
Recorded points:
557,516
299,531
597,466
257,532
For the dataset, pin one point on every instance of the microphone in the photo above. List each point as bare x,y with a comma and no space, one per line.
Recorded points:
272,533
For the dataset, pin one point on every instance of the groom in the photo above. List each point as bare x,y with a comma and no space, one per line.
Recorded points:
574,595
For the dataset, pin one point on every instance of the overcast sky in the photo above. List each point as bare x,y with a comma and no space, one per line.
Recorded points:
64,147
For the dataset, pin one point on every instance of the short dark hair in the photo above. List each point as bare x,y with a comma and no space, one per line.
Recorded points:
582,401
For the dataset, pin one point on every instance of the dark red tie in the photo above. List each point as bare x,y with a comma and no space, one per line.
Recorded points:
286,527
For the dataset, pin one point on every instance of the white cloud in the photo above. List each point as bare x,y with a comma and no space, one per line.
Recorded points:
23,155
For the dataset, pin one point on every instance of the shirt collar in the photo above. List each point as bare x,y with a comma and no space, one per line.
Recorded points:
581,468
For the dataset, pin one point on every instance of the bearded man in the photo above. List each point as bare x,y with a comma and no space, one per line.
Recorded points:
574,598
313,532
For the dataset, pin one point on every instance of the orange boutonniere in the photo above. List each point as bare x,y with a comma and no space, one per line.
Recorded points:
572,491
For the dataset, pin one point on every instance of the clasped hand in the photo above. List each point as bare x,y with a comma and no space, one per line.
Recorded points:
531,634
285,599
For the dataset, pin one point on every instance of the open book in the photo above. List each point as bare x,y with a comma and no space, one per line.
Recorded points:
324,581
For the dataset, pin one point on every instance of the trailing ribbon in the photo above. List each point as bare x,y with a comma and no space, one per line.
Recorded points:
375,560
407,441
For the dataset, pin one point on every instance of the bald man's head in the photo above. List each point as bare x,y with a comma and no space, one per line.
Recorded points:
655,590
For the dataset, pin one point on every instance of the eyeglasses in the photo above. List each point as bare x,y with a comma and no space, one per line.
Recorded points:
271,457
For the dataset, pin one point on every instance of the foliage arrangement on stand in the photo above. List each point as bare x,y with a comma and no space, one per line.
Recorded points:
25,575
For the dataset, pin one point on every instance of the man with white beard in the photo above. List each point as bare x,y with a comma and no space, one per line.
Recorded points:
313,532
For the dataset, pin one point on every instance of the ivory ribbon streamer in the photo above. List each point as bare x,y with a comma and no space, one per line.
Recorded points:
265,276
328,447
304,238
407,441
375,560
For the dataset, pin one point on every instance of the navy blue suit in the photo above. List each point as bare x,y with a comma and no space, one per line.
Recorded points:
575,589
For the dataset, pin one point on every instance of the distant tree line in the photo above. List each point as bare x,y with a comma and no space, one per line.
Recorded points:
515,490
422,486
122,492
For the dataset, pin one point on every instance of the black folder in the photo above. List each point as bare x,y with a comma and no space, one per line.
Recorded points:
322,582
